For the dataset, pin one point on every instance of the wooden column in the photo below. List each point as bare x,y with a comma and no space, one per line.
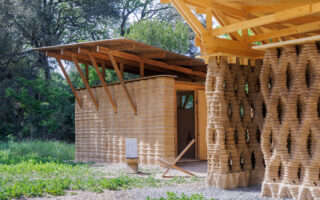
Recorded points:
69,82
115,66
85,82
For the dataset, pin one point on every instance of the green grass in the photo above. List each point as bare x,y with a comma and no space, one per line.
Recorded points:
174,196
15,152
38,168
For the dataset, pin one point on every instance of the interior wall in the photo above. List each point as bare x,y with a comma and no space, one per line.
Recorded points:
100,135
235,120
290,84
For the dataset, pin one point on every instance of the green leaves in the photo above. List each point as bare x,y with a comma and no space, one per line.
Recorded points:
169,36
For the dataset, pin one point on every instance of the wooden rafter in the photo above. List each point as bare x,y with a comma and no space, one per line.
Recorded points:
289,42
223,21
186,13
285,32
69,82
102,80
116,68
287,14
148,61
85,80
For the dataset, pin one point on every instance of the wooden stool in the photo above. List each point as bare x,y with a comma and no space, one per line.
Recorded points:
132,155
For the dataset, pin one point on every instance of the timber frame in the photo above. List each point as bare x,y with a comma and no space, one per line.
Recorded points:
123,55
270,22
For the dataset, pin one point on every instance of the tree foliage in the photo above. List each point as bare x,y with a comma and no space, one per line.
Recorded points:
162,34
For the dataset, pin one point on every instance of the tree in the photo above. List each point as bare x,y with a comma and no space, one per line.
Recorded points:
172,37
48,22
137,10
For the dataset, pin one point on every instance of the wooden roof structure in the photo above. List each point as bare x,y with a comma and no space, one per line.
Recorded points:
123,55
271,21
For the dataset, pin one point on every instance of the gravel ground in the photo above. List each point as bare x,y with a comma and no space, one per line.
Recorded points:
199,168
249,193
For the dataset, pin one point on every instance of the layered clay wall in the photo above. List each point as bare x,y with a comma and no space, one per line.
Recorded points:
235,120
290,84
100,135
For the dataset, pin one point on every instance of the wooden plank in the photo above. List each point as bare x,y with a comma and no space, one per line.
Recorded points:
287,14
289,42
115,66
141,68
201,124
103,82
69,82
94,101
148,61
285,32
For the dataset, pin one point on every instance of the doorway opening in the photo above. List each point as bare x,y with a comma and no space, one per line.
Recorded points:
186,123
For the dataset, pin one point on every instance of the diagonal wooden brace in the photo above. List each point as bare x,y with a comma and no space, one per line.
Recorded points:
69,82
173,164
116,68
84,79
103,82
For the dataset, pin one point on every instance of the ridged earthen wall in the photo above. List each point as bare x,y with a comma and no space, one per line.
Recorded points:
235,120
290,84
100,135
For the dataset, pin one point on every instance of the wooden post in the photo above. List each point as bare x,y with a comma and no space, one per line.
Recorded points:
115,66
121,68
87,73
103,70
85,82
103,82
141,68
69,82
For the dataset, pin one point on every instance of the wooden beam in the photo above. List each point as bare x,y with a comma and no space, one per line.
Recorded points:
289,42
69,82
148,61
285,32
161,54
141,68
210,45
287,14
192,20
223,21
114,63
94,101
87,72
103,82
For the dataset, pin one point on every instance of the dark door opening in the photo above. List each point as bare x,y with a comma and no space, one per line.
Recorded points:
185,123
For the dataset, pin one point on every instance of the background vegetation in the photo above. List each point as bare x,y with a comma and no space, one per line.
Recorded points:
35,100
